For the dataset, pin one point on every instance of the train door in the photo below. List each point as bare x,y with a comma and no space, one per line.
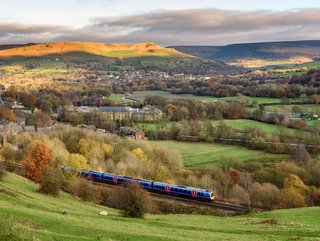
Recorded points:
194,193
168,189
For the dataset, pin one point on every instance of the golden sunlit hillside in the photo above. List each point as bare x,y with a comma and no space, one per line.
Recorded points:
102,49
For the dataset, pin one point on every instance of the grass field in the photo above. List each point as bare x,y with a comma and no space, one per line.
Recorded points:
206,154
140,95
118,98
308,108
268,128
40,216
296,70
240,124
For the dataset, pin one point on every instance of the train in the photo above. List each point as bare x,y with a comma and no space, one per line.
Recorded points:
151,186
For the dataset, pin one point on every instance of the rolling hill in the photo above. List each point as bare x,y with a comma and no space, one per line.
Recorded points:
108,50
26,214
268,53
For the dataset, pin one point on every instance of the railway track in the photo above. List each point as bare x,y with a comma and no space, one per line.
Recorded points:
215,204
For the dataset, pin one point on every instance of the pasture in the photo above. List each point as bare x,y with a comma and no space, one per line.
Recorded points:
35,215
198,154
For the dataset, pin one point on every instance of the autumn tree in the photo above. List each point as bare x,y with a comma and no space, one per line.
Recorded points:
107,149
300,155
36,160
84,147
236,111
7,115
294,192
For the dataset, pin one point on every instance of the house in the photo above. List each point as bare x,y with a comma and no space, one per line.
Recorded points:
131,132
113,113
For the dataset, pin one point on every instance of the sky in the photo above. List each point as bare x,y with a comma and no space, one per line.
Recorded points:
166,22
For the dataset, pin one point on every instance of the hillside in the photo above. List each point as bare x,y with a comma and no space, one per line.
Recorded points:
101,49
35,215
287,52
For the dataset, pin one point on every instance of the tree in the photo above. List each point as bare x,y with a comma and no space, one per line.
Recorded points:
133,201
77,161
84,147
36,160
2,172
300,155
51,183
7,115
294,192
139,153
264,195
107,149
236,111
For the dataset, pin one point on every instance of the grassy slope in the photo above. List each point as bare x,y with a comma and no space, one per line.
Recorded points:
108,50
206,154
40,216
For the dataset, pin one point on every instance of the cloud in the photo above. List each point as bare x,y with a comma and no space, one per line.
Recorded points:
195,26
23,33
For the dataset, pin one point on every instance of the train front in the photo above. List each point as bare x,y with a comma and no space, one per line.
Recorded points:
212,196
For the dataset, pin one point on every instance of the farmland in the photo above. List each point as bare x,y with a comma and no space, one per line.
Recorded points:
209,155
39,216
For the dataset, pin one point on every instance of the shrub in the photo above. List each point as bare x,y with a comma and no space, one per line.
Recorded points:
133,201
264,195
315,196
51,183
84,189
2,172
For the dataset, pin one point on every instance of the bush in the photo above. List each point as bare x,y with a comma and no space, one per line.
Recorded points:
133,201
315,196
264,195
51,183
84,189
2,172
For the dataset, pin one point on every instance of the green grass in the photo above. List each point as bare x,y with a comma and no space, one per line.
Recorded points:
197,154
40,216
241,124
308,108
296,70
118,98
140,95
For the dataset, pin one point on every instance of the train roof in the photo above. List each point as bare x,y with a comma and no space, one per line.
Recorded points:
200,189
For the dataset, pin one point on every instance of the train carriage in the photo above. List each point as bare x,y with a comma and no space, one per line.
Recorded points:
160,187
189,192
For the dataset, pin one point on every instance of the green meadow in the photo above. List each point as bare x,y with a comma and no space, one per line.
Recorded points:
39,217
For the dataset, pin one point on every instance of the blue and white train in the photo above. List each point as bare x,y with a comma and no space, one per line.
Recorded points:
152,186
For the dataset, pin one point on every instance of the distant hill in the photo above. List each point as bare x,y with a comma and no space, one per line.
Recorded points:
291,51
101,49
70,59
